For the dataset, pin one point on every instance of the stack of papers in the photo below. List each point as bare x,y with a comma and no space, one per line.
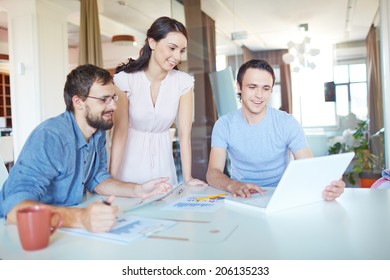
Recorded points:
127,228
127,204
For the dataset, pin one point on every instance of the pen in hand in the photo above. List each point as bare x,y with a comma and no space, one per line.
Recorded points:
106,202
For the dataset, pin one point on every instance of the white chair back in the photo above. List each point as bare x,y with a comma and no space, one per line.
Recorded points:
224,93
7,149
318,144
3,173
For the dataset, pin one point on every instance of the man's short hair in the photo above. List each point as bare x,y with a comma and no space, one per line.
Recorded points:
255,64
80,80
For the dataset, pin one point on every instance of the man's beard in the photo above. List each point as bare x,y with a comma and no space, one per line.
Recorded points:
98,122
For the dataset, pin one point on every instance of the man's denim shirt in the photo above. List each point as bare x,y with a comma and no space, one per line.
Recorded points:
50,167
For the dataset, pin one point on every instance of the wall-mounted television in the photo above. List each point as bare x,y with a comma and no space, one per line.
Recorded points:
330,92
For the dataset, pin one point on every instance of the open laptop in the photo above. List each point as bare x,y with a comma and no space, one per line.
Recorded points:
302,183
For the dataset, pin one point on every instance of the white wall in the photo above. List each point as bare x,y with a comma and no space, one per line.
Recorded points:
40,60
309,106
38,63
112,55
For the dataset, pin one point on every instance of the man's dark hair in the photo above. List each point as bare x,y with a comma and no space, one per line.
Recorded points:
80,80
255,64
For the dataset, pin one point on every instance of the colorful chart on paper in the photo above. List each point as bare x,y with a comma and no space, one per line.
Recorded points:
198,203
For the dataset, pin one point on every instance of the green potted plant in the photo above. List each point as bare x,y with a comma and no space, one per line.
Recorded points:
366,166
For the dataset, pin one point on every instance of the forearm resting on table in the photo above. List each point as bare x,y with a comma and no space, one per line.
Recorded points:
72,216
115,187
218,179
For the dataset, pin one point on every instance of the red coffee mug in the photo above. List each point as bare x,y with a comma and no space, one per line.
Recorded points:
34,226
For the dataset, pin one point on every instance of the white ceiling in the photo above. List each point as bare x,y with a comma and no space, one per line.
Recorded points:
268,24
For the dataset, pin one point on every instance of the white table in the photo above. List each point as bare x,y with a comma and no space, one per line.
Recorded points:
356,226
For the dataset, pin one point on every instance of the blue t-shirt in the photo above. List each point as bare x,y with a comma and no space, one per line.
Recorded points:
258,153
56,165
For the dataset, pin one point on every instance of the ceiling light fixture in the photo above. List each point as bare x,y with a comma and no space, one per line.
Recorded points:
123,40
299,54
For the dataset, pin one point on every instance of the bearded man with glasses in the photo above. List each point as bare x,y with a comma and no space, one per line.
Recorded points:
66,155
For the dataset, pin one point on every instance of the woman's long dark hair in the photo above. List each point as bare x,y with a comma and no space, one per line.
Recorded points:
159,30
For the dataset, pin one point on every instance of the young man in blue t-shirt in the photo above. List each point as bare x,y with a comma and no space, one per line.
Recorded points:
257,138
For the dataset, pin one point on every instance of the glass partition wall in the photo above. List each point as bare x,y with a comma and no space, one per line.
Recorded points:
308,94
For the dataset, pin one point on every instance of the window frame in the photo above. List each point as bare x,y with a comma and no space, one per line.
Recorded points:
349,83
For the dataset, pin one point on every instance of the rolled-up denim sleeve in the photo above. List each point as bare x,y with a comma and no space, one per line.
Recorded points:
36,167
14,199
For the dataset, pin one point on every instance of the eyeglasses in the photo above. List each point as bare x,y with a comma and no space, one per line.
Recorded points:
107,99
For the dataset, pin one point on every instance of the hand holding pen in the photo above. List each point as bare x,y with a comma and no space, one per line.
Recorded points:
100,216
109,200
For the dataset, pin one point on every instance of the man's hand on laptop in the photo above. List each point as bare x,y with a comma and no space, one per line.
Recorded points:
334,190
244,189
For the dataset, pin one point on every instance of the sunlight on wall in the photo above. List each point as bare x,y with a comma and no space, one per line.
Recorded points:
309,106
221,62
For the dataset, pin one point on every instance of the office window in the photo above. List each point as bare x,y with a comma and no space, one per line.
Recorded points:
351,90
342,103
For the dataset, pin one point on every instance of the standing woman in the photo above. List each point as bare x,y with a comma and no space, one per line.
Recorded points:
156,92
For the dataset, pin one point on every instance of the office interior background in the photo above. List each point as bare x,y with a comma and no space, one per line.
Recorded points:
331,59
